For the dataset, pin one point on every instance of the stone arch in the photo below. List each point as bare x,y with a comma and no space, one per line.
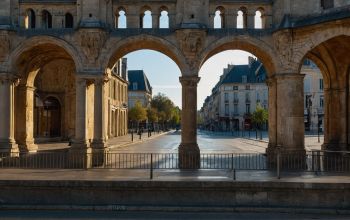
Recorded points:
220,11
121,11
329,48
39,42
143,11
120,48
316,38
252,45
163,17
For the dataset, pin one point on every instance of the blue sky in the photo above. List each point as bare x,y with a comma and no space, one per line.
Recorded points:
163,73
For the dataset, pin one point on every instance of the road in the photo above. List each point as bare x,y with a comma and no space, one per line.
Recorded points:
208,143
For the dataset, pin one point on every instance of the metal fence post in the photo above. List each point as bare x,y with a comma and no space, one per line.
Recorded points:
151,170
278,163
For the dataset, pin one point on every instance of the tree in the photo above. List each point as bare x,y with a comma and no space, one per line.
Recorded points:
137,113
259,118
152,115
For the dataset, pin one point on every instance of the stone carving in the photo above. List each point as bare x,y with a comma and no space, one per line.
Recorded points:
4,47
91,43
284,46
191,43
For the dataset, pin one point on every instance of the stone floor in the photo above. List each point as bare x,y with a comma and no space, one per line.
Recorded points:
170,175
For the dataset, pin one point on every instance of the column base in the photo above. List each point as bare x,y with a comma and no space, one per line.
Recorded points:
28,147
79,155
9,148
290,159
99,149
189,156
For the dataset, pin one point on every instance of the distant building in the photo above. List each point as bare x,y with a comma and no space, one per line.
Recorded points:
117,100
240,89
313,97
139,88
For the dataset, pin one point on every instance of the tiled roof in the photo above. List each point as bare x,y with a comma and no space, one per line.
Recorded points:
139,77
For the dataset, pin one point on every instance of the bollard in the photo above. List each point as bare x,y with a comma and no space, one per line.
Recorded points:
132,135
140,134
256,134
151,169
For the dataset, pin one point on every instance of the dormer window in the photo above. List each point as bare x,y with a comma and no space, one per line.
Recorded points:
134,86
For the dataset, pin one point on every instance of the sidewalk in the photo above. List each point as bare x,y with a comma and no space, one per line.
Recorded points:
127,139
112,143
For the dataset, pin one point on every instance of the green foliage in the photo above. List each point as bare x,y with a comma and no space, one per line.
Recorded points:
166,110
152,115
260,116
137,113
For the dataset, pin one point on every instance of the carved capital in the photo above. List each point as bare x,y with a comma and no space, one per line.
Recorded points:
191,43
9,78
91,43
283,43
189,81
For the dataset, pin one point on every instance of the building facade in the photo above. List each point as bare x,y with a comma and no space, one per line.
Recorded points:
313,97
117,100
235,97
242,88
139,89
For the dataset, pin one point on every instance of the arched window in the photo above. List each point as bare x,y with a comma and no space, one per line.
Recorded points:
326,4
164,19
258,21
121,19
69,20
46,20
29,21
242,18
146,19
219,19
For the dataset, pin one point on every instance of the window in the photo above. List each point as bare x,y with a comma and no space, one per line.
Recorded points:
134,86
247,97
326,4
164,19
69,21
121,21
227,88
257,97
227,110
321,101
219,19
46,20
235,97
226,97
247,109
29,22
258,23
247,87
146,19
321,84
235,109
242,18
235,87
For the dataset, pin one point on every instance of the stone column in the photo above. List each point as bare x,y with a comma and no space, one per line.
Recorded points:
7,140
99,140
335,123
155,20
81,142
290,113
272,122
25,119
189,153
